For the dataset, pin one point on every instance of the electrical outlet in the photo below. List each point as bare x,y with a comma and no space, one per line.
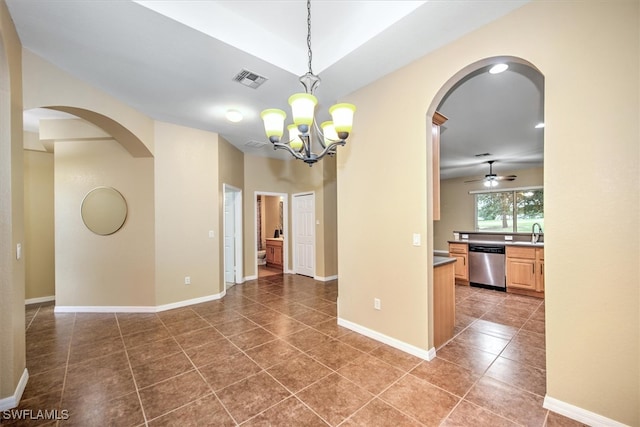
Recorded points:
508,238
376,304
187,280
465,236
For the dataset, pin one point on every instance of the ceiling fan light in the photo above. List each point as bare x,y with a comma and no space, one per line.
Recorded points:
491,183
302,108
273,119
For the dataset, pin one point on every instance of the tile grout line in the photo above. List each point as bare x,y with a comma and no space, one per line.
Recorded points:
66,366
198,371
484,373
135,383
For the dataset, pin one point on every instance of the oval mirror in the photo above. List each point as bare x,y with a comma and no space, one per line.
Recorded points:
104,210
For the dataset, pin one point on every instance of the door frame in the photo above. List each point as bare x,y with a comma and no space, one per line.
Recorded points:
237,201
285,229
293,231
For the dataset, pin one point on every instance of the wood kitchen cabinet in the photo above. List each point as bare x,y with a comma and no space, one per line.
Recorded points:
525,270
437,121
460,251
274,253
444,303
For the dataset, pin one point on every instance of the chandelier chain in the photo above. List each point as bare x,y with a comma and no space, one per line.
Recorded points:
309,34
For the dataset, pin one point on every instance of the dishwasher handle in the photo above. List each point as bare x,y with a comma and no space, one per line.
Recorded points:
487,249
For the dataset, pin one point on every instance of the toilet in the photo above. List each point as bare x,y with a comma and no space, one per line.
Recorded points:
262,257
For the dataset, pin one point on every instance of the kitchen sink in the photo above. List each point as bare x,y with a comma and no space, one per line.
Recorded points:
528,244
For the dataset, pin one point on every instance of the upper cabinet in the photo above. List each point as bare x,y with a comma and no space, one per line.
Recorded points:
437,121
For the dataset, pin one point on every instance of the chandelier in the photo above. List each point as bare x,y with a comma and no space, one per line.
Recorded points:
305,132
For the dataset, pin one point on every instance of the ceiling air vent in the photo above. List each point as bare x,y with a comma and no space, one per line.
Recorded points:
255,144
249,79
483,155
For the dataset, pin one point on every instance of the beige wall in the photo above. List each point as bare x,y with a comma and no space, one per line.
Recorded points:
457,206
230,172
47,85
39,247
95,270
329,221
12,278
291,177
591,117
186,209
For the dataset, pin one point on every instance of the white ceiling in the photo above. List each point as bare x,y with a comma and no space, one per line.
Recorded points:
174,60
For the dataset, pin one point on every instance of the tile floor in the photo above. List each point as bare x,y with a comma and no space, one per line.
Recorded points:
270,353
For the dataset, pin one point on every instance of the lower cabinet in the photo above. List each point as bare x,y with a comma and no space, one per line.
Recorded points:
460,251
525,270
274,253
444,304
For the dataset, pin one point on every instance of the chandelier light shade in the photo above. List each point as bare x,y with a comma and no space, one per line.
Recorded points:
273,123
305,132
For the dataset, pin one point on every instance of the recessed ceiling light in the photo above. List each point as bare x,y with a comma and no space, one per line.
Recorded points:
540,125
234,116
498,68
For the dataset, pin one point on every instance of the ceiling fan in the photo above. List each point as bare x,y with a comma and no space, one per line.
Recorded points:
491,179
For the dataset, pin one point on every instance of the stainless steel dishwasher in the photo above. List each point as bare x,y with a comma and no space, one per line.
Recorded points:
486,266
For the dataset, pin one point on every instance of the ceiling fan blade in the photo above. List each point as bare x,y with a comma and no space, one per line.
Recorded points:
475,180
506,178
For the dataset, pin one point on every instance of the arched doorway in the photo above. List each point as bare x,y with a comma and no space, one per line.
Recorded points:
494,330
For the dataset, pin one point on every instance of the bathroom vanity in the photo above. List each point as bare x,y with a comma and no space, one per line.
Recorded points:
274,252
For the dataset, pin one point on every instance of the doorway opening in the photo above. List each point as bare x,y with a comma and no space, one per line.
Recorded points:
304,236
499,318
232,227
271,233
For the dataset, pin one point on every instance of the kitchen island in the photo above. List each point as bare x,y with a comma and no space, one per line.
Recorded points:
444,300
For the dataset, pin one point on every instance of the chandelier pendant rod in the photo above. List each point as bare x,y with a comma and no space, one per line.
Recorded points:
308,132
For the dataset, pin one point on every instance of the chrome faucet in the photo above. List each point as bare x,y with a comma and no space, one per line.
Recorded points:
535,236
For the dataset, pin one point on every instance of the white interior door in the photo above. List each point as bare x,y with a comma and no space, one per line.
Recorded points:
304,236
229,237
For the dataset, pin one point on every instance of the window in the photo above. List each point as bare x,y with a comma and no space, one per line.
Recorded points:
513,211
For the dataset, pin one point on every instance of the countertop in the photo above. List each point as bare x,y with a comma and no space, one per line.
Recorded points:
499,243
441,260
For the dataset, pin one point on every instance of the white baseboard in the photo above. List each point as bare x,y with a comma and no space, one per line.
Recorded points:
39,300
579,414
136,309
325,279
13,401
254,277
104,309
188,302
400,345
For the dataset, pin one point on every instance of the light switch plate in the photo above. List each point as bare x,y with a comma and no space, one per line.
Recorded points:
508,237
416,239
